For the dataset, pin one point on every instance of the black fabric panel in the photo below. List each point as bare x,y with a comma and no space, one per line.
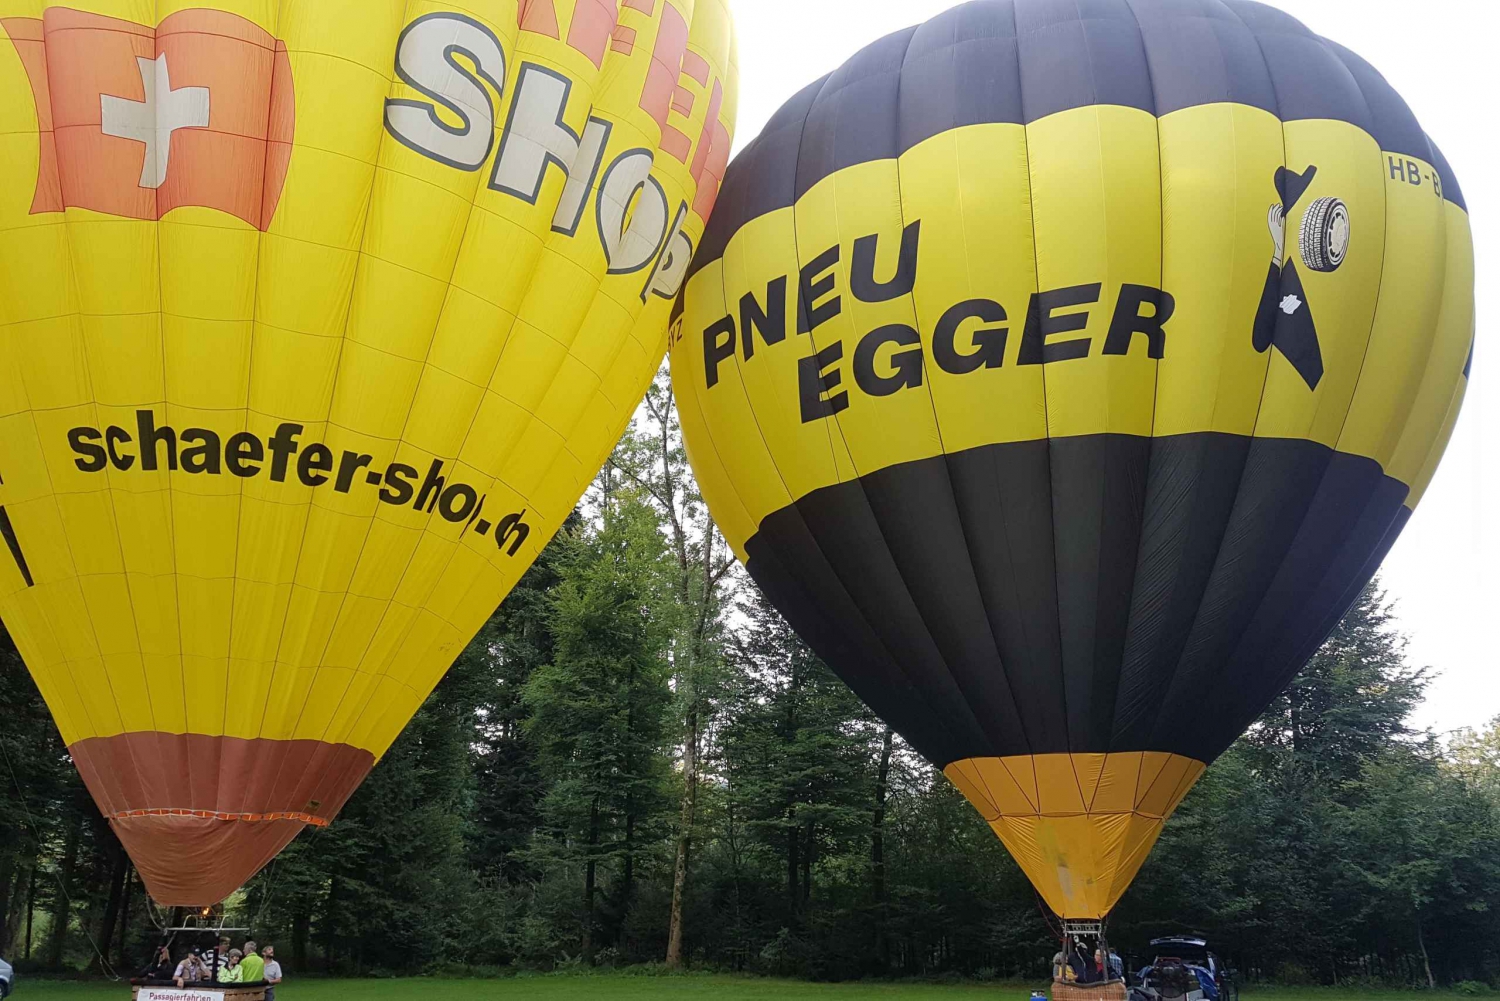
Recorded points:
853,120
850,540
1189,500
962,69
1392,123
1201,53
1004,497
1015,61
1208,589
1310,79
1301,539
1356,566
1098,501
904,689
919,524
1275,493
1077,53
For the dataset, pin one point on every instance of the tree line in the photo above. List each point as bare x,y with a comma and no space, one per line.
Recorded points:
637,761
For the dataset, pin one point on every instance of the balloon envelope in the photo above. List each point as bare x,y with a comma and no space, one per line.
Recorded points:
316,319
1063,371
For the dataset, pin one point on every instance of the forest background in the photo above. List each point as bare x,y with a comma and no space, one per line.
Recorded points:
636,761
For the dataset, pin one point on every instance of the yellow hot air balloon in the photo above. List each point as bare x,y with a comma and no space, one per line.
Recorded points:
316,319
1063,371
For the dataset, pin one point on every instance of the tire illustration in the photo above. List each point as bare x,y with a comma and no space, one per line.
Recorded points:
1325,234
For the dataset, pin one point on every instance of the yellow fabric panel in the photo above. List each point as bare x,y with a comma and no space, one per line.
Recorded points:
1115,791
707,451
1405,330
1153,763
972,177
1089,772
872,432
1070,860
1214,161
990,789
1435,411
401,309
1096,209
1060,789
1132,849
775,458
1161,797
1080,855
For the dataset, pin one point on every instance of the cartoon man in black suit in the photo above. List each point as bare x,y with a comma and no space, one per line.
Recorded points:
1285,318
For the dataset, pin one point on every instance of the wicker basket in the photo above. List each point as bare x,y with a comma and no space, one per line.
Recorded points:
1111,990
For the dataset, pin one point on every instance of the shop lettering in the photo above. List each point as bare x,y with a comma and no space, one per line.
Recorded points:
455,62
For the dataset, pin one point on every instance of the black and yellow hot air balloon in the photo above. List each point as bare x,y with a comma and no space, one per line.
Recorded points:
1063,371
316,319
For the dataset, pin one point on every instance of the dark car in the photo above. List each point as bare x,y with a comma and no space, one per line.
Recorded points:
1182,969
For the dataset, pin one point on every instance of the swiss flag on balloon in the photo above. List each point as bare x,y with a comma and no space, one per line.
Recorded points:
136,121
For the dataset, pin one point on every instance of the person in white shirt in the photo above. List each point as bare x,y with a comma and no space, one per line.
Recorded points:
272,973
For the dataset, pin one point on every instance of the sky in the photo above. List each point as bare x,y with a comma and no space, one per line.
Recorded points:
1439,54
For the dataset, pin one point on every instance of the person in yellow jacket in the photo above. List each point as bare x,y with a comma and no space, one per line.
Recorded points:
231,972
252,968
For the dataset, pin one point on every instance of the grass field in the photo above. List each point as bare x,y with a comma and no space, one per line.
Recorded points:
626,988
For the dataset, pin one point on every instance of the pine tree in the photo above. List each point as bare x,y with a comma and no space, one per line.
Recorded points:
515,642
1355,696
1476,757
652,457
44,806
799,752
599,709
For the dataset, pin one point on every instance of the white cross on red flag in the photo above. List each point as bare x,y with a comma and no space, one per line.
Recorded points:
136,121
